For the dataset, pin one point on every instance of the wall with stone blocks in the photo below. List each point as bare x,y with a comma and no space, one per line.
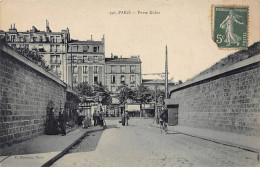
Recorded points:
25,91
225,100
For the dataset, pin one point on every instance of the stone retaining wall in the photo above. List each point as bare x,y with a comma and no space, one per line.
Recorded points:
25,91
226,99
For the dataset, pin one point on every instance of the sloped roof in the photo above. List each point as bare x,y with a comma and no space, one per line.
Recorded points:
122,60
85,42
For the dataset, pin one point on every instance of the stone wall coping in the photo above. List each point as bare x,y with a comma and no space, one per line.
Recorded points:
238,65
29,63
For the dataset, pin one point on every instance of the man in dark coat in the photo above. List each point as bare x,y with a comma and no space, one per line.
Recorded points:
61,120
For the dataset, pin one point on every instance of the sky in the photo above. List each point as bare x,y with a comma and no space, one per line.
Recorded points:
183,25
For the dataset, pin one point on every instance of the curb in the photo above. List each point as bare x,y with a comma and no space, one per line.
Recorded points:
251,149
62,153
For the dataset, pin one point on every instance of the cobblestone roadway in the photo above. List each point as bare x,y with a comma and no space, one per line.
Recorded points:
142,145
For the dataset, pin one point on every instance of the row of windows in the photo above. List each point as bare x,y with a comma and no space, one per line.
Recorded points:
85,79
122,68
85,69
113,79
55,39
86,48
122,79
53,49
55,59
86,58
25,38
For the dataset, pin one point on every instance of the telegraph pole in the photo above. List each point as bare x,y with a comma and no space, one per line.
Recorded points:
166,74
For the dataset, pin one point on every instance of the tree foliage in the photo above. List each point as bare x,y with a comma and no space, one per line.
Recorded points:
102,92
125,93
143,94
33,55
96,91
84,89
160,95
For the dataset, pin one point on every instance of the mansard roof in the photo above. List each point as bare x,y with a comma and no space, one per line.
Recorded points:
123,60
88,42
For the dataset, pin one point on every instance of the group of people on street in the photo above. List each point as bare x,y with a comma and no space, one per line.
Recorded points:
98,117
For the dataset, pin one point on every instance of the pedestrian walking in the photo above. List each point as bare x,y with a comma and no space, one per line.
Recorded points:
62,124
98,118
95,117
101,118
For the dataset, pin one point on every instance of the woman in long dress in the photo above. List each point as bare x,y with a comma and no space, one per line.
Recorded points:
228,26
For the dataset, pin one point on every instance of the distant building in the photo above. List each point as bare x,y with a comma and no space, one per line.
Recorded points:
75,61
122,71
88,64
52,46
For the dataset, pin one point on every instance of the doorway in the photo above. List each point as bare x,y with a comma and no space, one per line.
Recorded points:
173,114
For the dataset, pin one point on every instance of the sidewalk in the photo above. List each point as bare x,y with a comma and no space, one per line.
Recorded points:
42,150
250,143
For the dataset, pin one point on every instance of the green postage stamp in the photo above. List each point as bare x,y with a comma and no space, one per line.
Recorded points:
230,26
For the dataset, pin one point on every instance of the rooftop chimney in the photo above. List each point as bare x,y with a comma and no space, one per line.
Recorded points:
91,37
103,39
47,26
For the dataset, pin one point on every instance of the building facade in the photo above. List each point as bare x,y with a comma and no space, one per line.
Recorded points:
123,71
52,46
75,61
88,62
120,72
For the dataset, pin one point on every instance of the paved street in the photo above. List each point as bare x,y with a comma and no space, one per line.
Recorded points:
141,144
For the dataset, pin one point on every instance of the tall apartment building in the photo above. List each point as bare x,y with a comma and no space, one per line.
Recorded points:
121,71
52,46
88,62
88,58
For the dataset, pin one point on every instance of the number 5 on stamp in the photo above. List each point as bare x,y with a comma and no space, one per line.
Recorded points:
230,26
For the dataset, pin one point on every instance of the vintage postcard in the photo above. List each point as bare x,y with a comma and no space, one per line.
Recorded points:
129,83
